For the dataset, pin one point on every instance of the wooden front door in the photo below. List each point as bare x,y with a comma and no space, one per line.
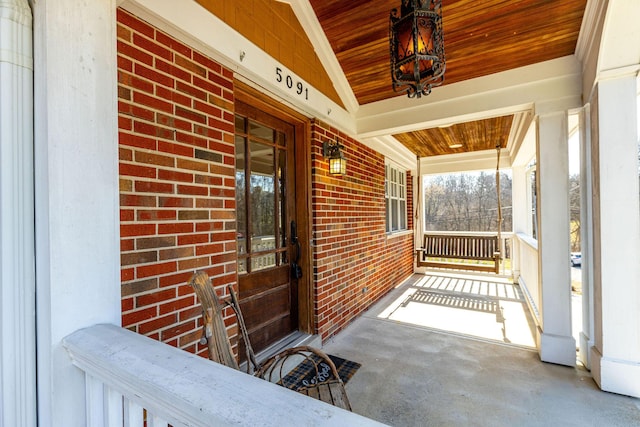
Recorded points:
265,195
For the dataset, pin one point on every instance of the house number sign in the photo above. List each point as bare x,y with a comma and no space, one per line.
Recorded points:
298,87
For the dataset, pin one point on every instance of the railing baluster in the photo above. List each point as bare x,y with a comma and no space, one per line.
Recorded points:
155,421
94,389
133,414
113,410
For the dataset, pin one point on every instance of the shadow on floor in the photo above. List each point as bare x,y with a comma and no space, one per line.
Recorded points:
419,371
486,308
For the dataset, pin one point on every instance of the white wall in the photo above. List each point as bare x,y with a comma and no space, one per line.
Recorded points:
76,178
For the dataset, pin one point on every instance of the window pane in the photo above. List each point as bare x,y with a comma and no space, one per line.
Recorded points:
240,123
396,199
242,266
387,216
262,194
263,261
260,131
394,214
282,218
394,186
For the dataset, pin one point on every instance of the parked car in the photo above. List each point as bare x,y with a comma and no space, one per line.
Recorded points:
576,259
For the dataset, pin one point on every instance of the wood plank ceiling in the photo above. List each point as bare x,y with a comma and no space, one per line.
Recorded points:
459,138
481,38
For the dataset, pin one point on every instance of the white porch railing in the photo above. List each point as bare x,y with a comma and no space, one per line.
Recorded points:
506,245
131,378
527,250
258,244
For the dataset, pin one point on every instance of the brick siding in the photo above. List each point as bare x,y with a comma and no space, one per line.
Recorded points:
177,197
177,185
355,261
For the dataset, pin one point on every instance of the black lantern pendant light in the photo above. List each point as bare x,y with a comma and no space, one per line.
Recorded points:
417,47
337,163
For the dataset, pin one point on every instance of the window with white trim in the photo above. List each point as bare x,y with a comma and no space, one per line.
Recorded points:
395,191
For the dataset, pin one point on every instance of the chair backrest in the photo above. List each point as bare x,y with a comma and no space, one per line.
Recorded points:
215,331
252,361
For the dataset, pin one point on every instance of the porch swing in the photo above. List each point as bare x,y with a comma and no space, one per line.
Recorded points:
464,247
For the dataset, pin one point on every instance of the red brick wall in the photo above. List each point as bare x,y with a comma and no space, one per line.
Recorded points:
177,186
177,197
355,262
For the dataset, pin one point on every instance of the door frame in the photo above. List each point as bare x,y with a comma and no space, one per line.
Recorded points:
302,130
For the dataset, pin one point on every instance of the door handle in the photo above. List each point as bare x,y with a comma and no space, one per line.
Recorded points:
296,270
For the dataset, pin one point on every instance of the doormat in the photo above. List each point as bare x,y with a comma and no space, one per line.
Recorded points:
304,374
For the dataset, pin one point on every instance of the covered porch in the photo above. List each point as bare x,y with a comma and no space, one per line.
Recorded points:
120,167
416,375
414,371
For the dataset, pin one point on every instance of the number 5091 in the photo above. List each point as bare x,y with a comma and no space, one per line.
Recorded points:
298,87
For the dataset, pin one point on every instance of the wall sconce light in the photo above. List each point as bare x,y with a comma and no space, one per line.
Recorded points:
337,162
417,47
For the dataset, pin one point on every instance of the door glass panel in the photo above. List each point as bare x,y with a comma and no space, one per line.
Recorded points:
241,202
242,265
263,261
261,131
262,203
240,123
282,198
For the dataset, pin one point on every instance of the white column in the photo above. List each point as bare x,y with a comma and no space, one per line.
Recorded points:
556,344
76,177
17,262
615,356
586,238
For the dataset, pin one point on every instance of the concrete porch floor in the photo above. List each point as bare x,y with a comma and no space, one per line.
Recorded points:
422,367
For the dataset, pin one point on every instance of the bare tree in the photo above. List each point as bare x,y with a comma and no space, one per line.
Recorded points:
574,211
466,202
